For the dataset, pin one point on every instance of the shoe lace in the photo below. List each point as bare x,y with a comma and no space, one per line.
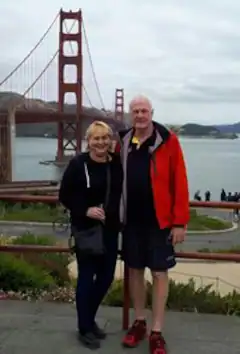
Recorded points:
135,327
158,341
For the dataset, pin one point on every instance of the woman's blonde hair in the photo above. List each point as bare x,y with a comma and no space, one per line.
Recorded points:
95,126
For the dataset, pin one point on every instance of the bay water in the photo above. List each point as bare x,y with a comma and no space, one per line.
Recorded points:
211,164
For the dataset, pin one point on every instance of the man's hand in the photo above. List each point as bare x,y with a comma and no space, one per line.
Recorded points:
178,235
96,213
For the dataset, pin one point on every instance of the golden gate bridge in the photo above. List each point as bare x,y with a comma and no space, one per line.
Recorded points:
25,108
24,105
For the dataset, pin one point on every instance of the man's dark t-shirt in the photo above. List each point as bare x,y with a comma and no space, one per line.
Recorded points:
140,204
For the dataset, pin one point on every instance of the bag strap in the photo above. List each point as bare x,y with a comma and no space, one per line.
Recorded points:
108,188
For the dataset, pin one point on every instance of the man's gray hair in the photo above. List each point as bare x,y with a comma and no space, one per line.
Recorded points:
138,99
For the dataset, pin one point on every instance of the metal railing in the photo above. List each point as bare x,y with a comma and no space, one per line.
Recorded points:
126,294
210,280
53,199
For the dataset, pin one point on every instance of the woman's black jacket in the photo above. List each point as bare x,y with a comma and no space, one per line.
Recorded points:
81,189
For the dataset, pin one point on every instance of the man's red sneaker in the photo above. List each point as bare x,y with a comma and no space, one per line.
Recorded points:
135,334
157,344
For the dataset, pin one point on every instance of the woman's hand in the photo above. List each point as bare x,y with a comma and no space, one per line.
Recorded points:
96,213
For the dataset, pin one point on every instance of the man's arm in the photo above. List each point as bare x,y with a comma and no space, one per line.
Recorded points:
181,214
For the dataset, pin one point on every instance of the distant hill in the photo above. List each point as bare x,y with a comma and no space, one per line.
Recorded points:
12,99
229,128
199,131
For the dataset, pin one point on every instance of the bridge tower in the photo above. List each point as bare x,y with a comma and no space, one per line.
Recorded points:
119,104
5,147
69,134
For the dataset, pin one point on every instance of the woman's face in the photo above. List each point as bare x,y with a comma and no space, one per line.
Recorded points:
100,142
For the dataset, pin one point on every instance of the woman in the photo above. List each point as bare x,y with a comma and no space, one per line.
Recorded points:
82,192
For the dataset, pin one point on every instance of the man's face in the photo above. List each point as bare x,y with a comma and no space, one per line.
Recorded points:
141,113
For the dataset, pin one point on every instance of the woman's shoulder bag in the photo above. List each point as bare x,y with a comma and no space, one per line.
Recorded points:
90,241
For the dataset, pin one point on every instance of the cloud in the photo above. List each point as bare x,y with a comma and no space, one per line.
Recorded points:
184,54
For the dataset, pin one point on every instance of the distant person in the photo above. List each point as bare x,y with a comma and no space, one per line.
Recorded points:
236,198
207,196
230,197
83,192
223,195
155,214
197,196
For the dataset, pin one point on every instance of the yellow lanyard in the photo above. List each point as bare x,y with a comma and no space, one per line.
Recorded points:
136,141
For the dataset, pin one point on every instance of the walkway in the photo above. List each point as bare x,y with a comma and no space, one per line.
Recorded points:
27,328
193,242
222,276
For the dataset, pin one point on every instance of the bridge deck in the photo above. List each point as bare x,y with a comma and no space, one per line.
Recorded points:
50,328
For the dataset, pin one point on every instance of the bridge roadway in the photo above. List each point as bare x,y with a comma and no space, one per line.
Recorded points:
50,328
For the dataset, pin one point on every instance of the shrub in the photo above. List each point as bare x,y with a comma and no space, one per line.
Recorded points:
29,212
17,275
54,263
5,240
182,297
185,297
28,238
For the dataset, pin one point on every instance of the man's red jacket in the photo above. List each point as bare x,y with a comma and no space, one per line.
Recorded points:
168,176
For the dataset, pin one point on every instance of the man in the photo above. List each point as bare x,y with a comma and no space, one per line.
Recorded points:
154,212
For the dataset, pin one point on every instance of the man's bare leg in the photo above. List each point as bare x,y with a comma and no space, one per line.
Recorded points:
138,292
137,332
159,299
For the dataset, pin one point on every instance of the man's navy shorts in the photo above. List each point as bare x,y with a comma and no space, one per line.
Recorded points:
151,248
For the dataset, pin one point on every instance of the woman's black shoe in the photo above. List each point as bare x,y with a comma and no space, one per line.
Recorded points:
89,340
98,332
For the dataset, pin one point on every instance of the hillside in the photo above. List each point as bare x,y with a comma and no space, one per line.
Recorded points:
229,128
11,99
199,131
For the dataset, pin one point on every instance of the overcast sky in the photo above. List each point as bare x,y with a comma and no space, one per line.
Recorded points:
183,54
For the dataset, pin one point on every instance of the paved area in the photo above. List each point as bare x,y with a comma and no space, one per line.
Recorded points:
193,242
27,328
225,214
220,240
225,240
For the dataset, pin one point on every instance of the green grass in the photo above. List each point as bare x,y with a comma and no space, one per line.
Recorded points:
30,212
205,223
233,250
43,213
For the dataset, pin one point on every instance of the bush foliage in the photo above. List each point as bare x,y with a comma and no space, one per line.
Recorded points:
45,276
37,212
52,266
17,275
185,297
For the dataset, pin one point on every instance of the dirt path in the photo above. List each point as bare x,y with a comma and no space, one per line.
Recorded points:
224,276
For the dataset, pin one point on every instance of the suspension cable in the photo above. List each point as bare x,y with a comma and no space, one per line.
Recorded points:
91,62
46,66
31,51
71,47
41,73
